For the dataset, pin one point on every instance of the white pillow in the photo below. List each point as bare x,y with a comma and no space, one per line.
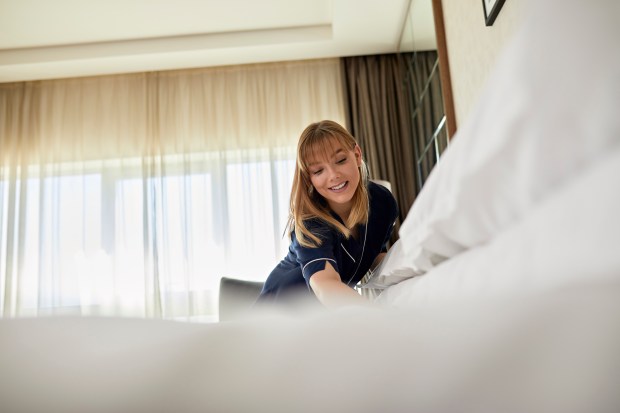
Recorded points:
395,267
548,111
567,243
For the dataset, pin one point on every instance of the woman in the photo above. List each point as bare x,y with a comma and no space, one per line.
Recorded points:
339,222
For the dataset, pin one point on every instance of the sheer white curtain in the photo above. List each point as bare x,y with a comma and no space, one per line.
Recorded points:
133,195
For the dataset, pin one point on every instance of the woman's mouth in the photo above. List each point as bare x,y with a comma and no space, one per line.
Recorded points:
340,187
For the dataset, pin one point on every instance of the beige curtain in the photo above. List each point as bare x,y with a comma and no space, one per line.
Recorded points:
379,116
133,194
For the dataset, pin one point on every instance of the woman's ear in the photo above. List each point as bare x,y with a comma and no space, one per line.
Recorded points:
358,154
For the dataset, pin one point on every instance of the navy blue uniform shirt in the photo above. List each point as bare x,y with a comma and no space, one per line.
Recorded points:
351,258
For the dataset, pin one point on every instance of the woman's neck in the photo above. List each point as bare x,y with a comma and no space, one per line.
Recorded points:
342,211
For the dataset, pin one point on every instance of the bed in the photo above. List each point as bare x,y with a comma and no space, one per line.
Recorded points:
501,295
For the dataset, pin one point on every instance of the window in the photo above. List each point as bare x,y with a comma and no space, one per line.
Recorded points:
142,237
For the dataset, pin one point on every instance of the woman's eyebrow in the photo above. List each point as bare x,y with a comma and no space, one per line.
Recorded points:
332,156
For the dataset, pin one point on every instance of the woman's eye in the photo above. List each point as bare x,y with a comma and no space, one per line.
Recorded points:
343,160
318,171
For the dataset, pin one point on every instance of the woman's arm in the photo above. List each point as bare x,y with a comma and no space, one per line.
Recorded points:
331,291
378,260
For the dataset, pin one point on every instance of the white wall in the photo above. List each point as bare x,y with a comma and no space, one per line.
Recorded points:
473,47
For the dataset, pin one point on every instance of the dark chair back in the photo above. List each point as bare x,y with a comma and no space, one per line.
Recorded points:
237,296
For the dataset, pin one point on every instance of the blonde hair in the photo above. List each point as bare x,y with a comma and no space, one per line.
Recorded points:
306,203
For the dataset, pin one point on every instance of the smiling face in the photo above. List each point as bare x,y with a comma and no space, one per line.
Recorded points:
334,173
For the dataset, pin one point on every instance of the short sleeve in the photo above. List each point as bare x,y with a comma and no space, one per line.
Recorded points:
386,241
392,214
312,260
384,211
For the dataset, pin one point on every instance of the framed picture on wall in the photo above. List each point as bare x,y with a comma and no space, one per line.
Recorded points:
491,10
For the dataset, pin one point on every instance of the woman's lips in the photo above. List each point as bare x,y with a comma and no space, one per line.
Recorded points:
340,187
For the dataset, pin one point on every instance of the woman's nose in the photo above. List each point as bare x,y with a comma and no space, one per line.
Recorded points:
333,174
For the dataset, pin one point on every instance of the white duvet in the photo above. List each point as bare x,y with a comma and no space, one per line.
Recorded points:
511,303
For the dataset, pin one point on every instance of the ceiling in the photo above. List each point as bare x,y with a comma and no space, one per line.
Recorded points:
43,39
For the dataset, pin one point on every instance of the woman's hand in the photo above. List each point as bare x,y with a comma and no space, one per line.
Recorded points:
331,291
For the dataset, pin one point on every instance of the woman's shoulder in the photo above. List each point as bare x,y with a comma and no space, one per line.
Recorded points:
375,187
316,224
317,227
380,195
